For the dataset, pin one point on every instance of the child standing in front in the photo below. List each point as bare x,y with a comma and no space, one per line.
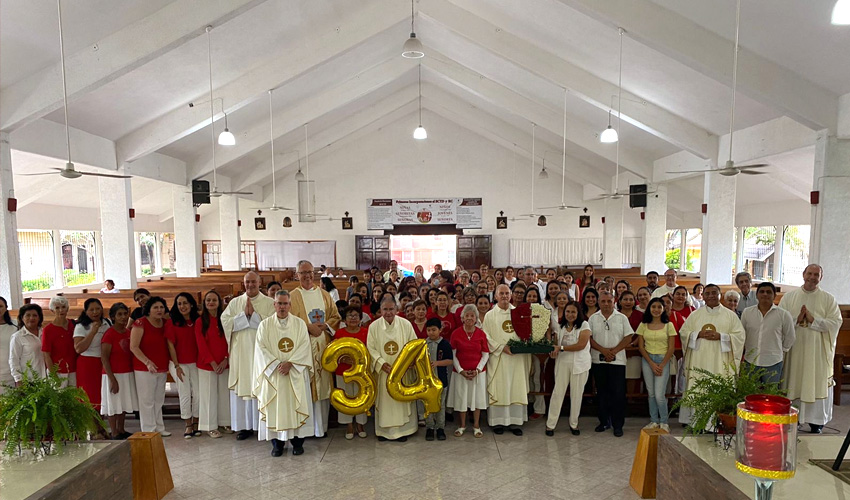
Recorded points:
354,330
440,352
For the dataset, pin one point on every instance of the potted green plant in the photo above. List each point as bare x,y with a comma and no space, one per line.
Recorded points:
714,397
41,415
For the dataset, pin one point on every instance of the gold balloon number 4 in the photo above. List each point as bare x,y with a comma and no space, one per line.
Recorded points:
427,385
359,373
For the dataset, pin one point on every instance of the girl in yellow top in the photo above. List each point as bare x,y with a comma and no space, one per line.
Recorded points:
656,341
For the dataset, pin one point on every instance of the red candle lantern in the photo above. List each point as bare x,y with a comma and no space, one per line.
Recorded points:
766,439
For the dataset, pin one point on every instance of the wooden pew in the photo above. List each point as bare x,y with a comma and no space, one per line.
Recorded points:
842,355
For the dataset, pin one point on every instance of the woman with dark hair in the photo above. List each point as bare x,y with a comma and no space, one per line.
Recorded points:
327,285
569,284
468,296
679,310
499,276
696,295
589,302
212,367
621,287
353,281
375,304
572,366
25,347
272,288
656,345
518,293
626,303
91,325
483,304
7,329
588,279
57,342
183,352
441,311
475,277
553,288
532,296
642,296
420,317
352,329
150,364
118,383
363,290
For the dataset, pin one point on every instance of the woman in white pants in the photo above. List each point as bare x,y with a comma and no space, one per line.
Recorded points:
213,391
572,366
183,351
150,364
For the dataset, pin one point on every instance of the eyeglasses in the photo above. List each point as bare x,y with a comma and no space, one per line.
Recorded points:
305,273
607,326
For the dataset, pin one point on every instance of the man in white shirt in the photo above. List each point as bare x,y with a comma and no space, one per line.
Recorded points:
808,365
393,267
611,333
668,286
530,278
770,333
748,296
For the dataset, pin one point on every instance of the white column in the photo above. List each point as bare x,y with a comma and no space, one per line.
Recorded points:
157,253
830,236
58,264
10,258
231,241
116,226
777,253
683,249
98,262
612,238
137,249
739,250
718,229
655,231
187,242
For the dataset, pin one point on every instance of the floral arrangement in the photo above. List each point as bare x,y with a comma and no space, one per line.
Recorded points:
531,321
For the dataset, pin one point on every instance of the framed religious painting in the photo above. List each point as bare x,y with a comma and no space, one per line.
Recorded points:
260,223
347,223
583,221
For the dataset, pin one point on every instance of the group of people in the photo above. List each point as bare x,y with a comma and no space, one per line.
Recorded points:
254,364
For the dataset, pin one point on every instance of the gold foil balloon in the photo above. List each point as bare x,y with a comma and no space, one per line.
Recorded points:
426,386
359,373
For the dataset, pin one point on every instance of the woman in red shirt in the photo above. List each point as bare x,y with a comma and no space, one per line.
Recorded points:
118,385
420,316
212,367
57,342
469,382
352,330
183,351
150,363
441,312
588,279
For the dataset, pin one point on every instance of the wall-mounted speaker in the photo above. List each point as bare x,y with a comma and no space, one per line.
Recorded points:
637,195
200,192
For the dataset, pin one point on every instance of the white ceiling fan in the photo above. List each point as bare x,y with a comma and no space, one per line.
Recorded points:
531,213
275,207
730,169
214,193
69,172
563,205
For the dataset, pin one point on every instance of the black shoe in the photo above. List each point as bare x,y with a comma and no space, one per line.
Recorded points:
429,435
277,447
550,432
601,428
517,431
575,432
450,417
441,435
297,450
402,439
382,439
243,435
499,430
124,435
815,429
618,432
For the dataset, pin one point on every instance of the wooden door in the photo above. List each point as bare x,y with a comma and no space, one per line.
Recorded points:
472,251
372,251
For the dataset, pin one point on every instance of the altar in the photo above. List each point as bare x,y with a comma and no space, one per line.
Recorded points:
698,467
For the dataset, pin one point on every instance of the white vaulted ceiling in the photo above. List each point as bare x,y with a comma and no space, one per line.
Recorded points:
492,66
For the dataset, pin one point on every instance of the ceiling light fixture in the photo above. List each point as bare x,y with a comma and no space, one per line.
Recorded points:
412,47
226,138
420,132
841,13
611,135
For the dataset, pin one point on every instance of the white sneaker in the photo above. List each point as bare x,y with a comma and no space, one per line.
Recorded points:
165,434
664,427
651,425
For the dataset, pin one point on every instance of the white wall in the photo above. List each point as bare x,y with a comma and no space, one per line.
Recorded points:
39,216
452,162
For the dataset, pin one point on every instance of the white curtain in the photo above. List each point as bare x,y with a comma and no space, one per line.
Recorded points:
567,251
277,254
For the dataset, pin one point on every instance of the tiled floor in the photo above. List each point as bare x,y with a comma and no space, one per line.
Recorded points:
532,466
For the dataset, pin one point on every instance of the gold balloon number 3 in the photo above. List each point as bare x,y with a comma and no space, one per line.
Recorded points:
427,386
359,373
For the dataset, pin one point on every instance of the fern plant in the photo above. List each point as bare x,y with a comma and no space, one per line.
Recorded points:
40,412
713,394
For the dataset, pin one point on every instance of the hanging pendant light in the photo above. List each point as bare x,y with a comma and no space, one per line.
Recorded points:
299,176
841,13
610,134
420,132
226,138
543,175
412,47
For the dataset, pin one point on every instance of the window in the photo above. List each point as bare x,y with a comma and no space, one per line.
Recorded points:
147,253
79,254
795,254
693,250
157,253
168,252
248,256
37,260
759,252
44,253
673,249
424,250
211,250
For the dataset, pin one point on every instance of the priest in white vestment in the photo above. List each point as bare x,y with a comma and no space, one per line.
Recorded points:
808,364
712,339
394,420
240,320
507,373
282,367
318,310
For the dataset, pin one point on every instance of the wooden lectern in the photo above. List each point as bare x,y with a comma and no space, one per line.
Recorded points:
645,466
151,474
